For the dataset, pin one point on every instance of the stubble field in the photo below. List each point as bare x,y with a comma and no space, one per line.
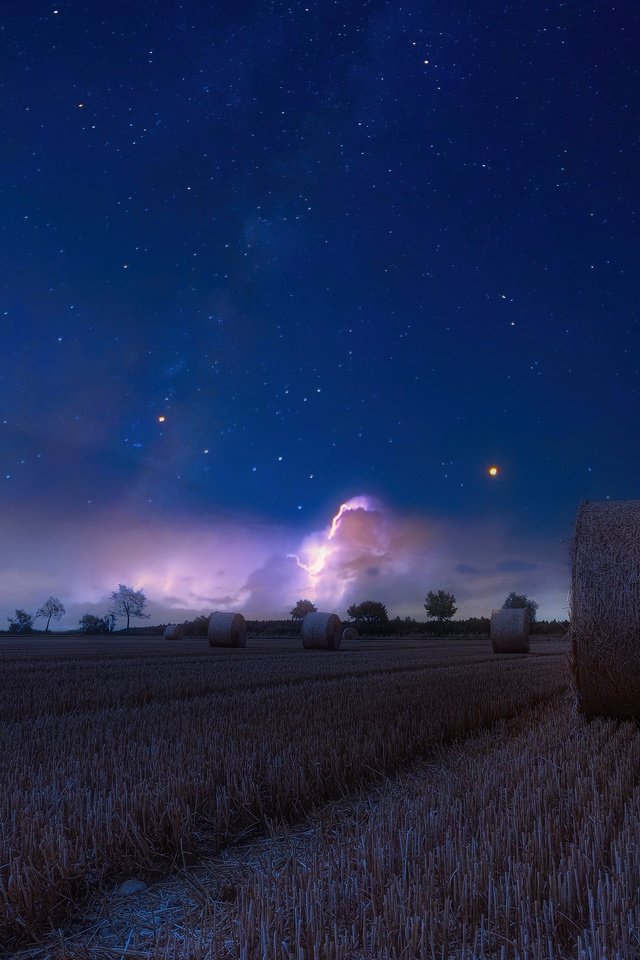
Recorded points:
396,799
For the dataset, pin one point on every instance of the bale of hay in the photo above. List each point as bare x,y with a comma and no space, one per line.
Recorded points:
604,602
321,631
173,631
227,630
510,630
349,633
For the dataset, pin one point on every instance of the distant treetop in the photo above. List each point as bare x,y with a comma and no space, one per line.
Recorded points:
440,606
369,611
519,601
302,608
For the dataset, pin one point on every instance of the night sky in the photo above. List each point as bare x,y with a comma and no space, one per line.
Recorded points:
260,259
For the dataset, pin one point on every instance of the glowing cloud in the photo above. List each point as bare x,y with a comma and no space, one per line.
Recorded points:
318,548
189,567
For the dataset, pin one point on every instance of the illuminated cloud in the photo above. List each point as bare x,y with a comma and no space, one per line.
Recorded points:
366,551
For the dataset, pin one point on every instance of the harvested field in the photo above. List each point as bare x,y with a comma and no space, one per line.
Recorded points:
538,861
478,815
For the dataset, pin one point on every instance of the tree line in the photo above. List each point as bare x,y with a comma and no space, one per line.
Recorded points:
368,615
439,605
125,604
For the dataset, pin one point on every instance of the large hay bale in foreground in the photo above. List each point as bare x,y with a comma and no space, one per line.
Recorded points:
605,609
227,630
173,631
349,633
321,631
510,630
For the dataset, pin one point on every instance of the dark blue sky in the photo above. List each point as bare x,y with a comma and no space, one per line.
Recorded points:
343,248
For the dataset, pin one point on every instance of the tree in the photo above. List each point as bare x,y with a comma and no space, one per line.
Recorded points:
302,608
197,627
92,624
51,608
21,623
440,606
402,626
369,611
128,603
519,601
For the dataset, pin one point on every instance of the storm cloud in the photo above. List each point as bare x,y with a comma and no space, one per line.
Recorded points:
365,551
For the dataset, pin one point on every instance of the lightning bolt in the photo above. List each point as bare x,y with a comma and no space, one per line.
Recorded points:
356,503
320,552
316,565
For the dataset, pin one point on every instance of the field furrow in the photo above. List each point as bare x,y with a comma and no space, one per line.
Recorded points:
122,789
518,842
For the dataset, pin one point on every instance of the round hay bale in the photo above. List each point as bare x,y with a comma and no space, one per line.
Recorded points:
173,631
227,630
349,633
510,630
604,601
321,631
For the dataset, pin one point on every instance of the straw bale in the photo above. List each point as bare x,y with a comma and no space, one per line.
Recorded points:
321,631
173,631
227,630
510,630
349,633
605,609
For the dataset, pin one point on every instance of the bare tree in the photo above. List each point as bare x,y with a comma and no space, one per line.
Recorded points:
21,623
128,603
51,608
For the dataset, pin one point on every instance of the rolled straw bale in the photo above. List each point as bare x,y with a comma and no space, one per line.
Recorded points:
510,630
349,633
605,609
321,631
173,631
227,630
